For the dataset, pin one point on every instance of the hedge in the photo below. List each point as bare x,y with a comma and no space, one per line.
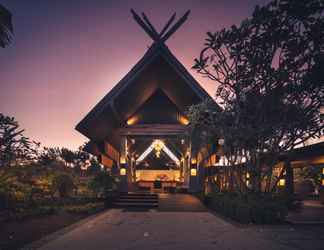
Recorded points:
249,208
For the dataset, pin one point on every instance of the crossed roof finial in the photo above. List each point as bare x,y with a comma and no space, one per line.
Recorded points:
166,32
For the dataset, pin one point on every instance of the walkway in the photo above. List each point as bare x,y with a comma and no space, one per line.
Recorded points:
120,230
312,212
180,203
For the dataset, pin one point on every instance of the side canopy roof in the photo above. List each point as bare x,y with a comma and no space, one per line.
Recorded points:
158,71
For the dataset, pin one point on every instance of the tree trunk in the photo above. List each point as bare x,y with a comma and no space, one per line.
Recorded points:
289,183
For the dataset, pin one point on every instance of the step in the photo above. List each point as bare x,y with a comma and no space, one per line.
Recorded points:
140,194
137,197
136,200
135,204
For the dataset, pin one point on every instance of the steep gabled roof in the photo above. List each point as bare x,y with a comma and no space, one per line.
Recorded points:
155,51
105,116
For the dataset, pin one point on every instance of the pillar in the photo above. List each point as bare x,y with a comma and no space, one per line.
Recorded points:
123,166
193,175
321,189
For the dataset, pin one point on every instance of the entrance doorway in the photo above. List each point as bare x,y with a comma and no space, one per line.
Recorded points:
159,164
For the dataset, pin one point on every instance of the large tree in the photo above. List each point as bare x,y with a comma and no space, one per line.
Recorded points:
15,148
6,28
269,72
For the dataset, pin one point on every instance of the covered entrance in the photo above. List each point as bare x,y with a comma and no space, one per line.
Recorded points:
158,163
140,129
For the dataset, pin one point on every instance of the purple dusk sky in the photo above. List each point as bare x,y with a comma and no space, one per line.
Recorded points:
66,55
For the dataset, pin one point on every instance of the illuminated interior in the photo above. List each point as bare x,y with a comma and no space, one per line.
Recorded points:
158,146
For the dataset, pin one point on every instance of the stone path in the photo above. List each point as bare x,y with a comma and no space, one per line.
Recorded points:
121,230
312,212
180,203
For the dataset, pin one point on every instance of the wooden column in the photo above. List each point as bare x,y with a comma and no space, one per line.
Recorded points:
123,164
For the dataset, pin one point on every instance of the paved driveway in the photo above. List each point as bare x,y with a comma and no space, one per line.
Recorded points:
139,230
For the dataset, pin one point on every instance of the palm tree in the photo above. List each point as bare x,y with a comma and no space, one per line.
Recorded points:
6,28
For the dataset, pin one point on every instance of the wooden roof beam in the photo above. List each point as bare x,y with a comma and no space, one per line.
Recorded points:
147,29
166,32
150,25
176,26
167,24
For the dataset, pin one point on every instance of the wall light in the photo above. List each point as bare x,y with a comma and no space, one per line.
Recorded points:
193,160
183,120
132,120
193,172
282,182
122,171
122,160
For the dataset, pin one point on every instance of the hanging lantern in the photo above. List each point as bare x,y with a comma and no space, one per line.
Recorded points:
158,145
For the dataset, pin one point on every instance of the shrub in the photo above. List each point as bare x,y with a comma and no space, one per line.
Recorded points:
250,208
103,184
63,184
88,208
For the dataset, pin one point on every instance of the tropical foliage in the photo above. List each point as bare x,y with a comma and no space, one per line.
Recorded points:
15,148
35,180
6,28
270,88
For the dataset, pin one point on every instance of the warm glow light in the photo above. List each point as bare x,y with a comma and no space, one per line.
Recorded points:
170,154
193,172
122,171
221,142
122,160
323,171
247,175
322,182
282,182
193,161
158,145
132,120
183,120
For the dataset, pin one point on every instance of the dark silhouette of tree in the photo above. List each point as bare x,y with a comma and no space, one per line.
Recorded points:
49,155
14,146
81,159
269,72
94,167
68,156
6,28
